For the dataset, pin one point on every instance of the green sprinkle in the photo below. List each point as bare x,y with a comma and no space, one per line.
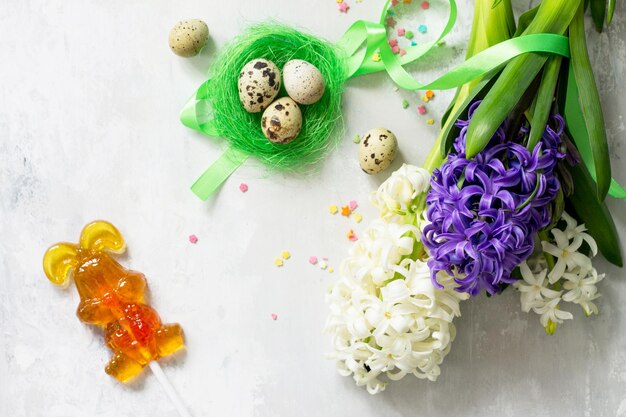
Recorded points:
408,34
356,139
405,104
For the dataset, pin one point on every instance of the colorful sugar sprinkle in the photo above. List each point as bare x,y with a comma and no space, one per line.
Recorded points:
405,104
243,187
333,209
193,239
402,52
391,22
285,254
395,49
331,269
274,316
422,29
430,93
323,265
356,139
421,109
407,1
345,211
376,57
343,7
278,262
353,205
352,236
408,34
393,42
313,260
401,31
430,121
358,217
394,2
425,5
425,99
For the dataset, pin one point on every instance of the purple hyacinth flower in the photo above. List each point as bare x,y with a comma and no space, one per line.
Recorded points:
484,211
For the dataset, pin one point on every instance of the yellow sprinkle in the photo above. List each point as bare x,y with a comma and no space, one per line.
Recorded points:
285,254
331,269
339,1
425,99
358,217
376,57
278,262
333,209
430,121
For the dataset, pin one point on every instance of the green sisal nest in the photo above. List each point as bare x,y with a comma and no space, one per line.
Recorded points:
279,44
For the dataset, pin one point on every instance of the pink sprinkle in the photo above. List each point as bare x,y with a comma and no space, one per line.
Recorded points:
313,260
193,239
402,52
421,109
394,2
401,31
353,237
343,7
393,42
274,316
243,187
353,205
425,5
396,49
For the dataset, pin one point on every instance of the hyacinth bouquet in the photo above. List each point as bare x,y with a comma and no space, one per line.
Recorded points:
511,196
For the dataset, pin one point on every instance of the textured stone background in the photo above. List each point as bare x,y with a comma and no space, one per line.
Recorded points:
89,97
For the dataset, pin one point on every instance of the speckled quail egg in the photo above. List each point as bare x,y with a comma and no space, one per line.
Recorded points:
282,121
377,150
188,37
259,83
303,81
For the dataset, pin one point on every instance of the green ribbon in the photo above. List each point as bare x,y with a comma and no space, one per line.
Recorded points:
374,37
196,115
218,172
359,43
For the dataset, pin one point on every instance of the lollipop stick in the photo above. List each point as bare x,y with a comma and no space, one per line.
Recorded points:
169,389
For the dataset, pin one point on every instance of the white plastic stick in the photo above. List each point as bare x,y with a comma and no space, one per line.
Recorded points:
169,389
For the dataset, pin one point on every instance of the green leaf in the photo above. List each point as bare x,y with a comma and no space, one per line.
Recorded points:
595,215
543,103
598,11
524,20
590,104
553,16
609,16
577,131
445,116
450,130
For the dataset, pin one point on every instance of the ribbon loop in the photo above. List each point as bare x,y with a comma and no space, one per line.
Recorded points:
374,37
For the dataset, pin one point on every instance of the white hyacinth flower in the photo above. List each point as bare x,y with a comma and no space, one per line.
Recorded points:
534,288
396,196
566,250
572,279
390,328
381,247
550,313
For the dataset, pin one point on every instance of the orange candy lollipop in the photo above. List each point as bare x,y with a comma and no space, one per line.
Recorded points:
112,297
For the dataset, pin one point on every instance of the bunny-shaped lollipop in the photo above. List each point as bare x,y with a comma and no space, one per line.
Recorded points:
112,297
